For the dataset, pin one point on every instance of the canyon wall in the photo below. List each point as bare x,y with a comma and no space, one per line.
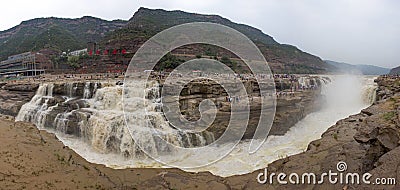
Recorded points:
367,142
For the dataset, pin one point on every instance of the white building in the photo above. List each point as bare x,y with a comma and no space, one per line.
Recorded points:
78,52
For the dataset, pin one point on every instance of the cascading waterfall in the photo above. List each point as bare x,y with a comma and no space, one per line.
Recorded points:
303,82
86,93
312,81
36,110
89,90
96,116
369,90
71,89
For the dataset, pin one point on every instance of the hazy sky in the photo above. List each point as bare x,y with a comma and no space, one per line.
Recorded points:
353,31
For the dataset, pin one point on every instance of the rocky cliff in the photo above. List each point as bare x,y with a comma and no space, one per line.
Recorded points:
13,96
290,108
395,71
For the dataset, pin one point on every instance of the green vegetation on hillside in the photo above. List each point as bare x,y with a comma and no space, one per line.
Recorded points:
168,62
147,22
54,33
54,38
66,35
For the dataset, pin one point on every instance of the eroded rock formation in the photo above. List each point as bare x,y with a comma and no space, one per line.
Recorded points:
13,96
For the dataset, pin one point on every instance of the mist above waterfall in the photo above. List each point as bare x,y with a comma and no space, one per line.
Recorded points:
345,92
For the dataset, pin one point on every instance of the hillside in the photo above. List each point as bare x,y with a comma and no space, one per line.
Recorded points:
358,69
395,71
147,22
55,33
62,34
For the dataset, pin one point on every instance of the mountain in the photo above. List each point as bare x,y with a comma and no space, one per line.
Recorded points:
62,34
395,71
147,22
358,69
55,33
373,70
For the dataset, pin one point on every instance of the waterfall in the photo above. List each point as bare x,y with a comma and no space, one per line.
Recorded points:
108,124
36,110
302,82
71,89
86,93
307,82
89,90
89,117
95,116
369,90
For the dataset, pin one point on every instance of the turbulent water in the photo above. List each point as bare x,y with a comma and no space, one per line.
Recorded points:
92,122
346,95
102,138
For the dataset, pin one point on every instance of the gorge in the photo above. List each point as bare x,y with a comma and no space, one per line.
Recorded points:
88,117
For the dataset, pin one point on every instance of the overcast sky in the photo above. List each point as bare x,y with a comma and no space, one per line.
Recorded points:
352,31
